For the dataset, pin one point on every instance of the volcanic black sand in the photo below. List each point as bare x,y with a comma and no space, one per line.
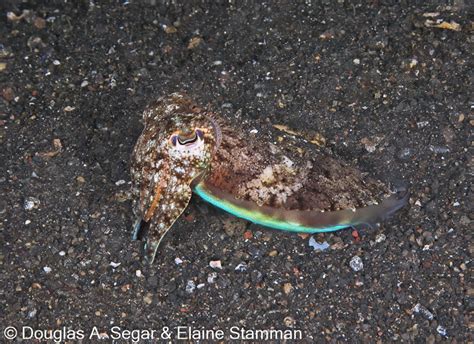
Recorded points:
384,86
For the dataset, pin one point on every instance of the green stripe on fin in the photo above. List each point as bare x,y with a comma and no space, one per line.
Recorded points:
237,208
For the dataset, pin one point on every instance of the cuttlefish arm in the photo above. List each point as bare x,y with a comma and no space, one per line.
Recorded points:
302,221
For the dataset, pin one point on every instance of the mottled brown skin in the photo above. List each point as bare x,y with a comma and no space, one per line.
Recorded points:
283,178
243,165
163,169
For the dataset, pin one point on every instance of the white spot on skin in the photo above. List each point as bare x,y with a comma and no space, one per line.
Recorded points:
150,144
275,181
267,176
287,162
171,107
179,170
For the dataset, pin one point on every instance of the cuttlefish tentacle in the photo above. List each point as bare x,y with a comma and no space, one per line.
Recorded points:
303,221
174,206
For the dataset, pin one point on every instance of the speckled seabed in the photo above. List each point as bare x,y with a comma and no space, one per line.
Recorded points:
384,86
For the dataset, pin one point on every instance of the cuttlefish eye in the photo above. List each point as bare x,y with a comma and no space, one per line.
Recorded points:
183,139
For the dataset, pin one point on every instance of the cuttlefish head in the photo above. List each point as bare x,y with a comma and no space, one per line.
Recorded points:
173,152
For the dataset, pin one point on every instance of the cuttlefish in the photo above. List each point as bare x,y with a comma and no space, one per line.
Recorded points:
186,149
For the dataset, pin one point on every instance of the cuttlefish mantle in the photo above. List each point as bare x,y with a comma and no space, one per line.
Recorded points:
300,221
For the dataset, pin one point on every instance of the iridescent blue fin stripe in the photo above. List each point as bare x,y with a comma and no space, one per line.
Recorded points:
301,221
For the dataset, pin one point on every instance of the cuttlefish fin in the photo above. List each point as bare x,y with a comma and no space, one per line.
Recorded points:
303,221
170,208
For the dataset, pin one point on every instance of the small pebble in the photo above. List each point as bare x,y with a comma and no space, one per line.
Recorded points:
215,264
56,62
356,61
194,42
39,23
241,267
356,263
211,278
27,222
273,253
442,331
169,29
287,288
138,273
369,145
115,265
148,299
62,253
413,63
13,17
35,42
317,246
178,261
380,238
405,153
120,182
423,311
47,269
439,149
8,94
190,286
31,203
289,322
